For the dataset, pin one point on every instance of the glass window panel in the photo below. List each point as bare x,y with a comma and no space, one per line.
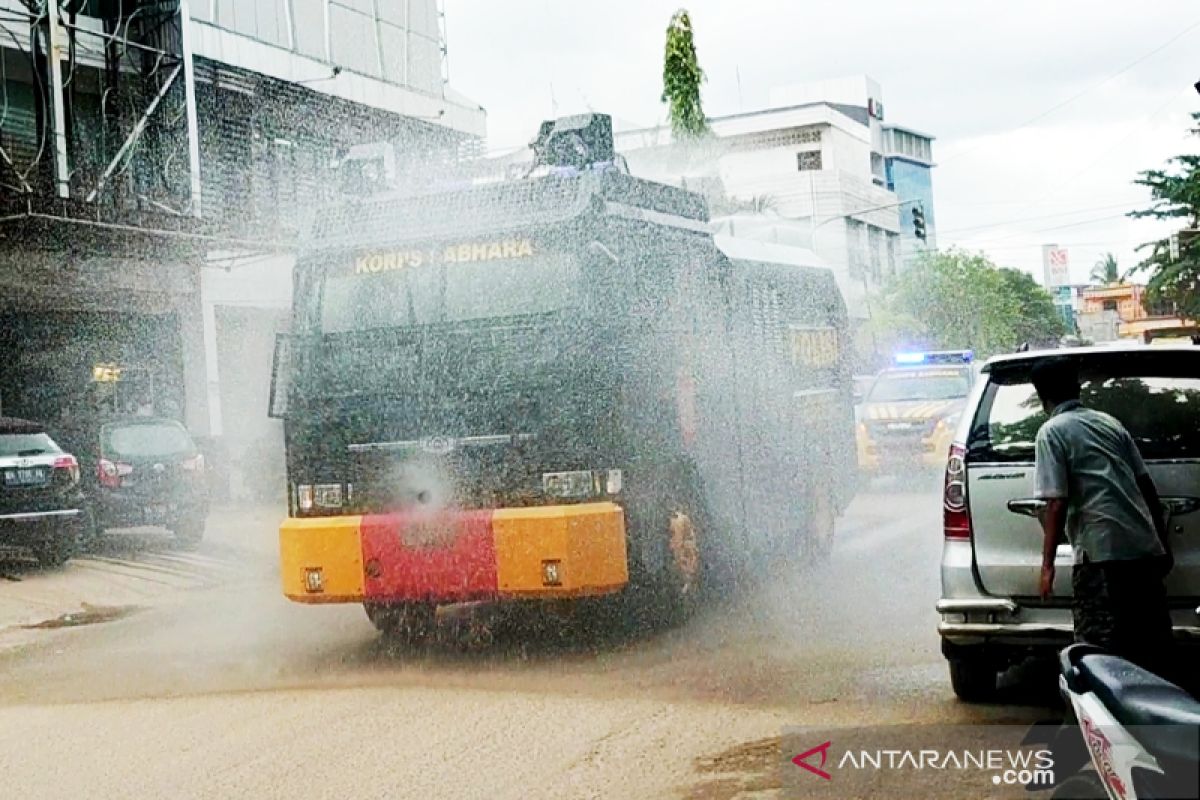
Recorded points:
226,14
393,52
244,18
354,44
423,17
201,9
425,69
361,6
272,26
310,27
392,11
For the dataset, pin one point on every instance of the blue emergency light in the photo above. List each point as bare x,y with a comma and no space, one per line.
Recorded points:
940,357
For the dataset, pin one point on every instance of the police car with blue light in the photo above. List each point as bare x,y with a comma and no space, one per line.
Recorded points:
908,416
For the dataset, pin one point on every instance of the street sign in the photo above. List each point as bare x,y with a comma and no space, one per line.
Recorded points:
1057,266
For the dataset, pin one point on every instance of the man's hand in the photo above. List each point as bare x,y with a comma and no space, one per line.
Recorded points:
1047,584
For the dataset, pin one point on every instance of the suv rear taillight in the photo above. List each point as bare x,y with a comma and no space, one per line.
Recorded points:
69,467
956,510
110,473
193,464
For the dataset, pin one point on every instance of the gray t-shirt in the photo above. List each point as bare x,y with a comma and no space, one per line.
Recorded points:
1088,458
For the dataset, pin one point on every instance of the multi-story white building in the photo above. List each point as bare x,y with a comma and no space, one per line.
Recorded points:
813,170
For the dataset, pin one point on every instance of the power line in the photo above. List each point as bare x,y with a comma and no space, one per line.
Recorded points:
1034,219
1079,94
1075,224
1035,245
1134,129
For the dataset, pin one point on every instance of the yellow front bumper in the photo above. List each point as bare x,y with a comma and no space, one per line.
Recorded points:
537,552
930,452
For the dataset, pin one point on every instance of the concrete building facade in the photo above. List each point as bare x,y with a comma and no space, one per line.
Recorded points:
814,167
158,161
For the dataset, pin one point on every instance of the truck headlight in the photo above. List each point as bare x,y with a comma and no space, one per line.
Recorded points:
328,495
321,495
304,497
583,483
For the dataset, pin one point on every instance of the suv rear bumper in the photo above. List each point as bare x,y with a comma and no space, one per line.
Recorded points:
30,528
970,617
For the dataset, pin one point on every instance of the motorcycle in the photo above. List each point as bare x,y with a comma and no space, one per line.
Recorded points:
1129,734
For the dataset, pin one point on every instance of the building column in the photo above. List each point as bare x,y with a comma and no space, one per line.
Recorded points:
197,323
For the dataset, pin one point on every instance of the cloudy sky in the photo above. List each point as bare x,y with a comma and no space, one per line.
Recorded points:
1043,111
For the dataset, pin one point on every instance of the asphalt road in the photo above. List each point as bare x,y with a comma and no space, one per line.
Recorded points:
218,687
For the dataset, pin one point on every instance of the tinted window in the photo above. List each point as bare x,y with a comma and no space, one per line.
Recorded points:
153,439
448,292
1161,413
920,385
14,444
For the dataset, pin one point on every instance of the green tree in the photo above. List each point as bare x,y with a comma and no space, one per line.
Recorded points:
955,299
1175,195
1032,315
1106,270
682,78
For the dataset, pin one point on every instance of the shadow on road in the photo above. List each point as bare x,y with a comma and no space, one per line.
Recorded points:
134,542
17,562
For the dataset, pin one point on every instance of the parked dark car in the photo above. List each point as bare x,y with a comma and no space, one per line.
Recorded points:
42,507
147,471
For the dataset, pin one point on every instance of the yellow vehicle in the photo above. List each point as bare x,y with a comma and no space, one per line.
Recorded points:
908,416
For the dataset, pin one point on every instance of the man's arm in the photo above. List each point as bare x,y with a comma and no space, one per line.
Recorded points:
1051,478
1054,530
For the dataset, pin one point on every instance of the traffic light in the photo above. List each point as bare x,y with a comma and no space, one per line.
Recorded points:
918,217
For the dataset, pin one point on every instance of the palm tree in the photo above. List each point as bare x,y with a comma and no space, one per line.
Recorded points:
1106,270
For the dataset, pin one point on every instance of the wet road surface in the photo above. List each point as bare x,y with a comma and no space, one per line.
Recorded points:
221,688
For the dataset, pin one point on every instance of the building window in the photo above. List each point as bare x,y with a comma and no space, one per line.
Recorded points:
1110,305
808,160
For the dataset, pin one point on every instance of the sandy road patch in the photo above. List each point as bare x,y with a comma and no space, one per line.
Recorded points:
124,571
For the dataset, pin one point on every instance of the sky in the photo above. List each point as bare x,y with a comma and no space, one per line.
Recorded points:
1044,112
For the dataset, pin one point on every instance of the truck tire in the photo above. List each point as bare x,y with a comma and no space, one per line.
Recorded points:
683,576
406,623
821,527
90,533
973,679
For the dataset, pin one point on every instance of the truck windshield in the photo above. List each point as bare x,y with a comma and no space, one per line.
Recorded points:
920,385
400,294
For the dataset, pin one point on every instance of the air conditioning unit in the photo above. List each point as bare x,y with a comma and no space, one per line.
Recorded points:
368,169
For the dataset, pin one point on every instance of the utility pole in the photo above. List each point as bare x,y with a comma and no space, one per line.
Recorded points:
189,93
58,113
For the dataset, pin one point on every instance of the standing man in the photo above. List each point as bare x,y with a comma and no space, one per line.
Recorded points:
1099,493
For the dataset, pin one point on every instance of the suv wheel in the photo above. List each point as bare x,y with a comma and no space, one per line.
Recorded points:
57,550
973,679
822,523
188,532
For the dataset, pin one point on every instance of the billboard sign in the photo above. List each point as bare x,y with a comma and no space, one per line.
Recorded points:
1056,265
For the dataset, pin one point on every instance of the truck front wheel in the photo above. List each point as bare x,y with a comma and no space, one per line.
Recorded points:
408,623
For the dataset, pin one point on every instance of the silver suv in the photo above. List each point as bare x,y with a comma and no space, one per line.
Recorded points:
991,614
